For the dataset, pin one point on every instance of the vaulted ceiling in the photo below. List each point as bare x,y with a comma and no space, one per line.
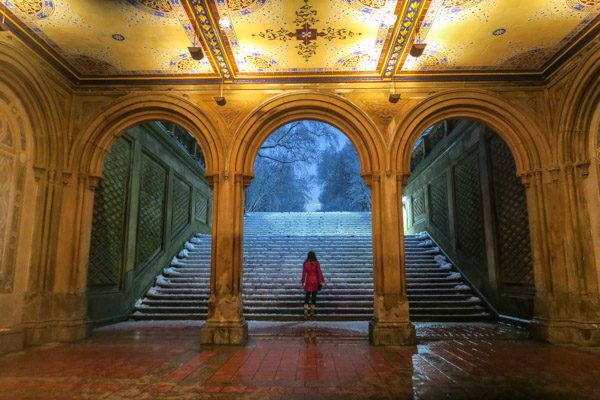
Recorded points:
302,40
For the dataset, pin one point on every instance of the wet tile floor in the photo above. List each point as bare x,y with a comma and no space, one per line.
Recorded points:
311,360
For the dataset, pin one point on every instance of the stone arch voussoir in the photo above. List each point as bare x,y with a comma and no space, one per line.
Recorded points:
89,152
21,76
328,108
520,132
581,104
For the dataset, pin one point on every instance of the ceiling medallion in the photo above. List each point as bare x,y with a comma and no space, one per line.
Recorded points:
583,5
186,64
158,5
258,63
459,5
237,5
373,3
306,17
499,32
39,8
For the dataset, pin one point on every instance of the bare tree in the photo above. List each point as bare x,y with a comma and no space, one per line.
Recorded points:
280,169
343,187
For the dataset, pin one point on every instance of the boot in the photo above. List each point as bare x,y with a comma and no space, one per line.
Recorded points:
313,310
306,311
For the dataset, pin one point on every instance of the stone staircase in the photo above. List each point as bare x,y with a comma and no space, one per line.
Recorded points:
275,245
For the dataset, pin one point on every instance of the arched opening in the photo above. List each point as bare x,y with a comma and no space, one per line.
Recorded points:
468,249
307,195
151,232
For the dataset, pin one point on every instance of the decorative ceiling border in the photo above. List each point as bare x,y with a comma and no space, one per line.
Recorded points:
218,57
210,33
412,15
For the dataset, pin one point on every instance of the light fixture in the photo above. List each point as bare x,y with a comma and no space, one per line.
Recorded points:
417,48
196,51
220,100
394,97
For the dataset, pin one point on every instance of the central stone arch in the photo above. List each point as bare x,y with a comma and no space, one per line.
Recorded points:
225,323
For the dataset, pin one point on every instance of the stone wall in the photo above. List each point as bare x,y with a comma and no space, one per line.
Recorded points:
151,198
466,194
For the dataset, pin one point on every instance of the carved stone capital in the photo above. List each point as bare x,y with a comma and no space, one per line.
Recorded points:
370,178
582,169
245,180
553,175
402,179
526,179
39,173
65,177
92,181
211,179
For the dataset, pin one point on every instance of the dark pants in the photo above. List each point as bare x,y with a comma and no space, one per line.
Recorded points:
310,297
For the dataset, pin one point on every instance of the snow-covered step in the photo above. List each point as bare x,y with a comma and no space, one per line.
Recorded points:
275,245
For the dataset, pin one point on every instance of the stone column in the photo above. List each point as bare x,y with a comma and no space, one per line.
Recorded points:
55,304
225,323
391,323
567,301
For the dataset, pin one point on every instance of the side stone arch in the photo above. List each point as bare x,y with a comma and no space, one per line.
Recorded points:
560,256
578,177
77,184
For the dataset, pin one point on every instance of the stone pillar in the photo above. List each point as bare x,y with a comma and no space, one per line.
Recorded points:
225,323
391,323
55,303
567,301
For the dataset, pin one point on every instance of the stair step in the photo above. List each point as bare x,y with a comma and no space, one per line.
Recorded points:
272,271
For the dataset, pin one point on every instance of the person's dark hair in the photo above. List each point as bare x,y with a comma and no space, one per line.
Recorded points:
311,256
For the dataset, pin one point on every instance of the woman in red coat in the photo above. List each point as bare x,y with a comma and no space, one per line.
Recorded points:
311,277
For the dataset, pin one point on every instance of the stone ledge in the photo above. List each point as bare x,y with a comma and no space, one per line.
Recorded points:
11,340
41,332
392,333
567,332
224,332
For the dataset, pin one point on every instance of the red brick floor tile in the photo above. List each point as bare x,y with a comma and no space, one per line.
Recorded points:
452,361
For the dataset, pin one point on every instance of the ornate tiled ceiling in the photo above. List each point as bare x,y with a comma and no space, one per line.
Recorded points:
267,40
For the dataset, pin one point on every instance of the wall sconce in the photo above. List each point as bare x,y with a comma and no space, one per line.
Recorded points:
394,98
220,100
196,53
417,49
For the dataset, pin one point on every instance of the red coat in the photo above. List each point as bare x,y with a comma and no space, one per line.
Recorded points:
311,276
